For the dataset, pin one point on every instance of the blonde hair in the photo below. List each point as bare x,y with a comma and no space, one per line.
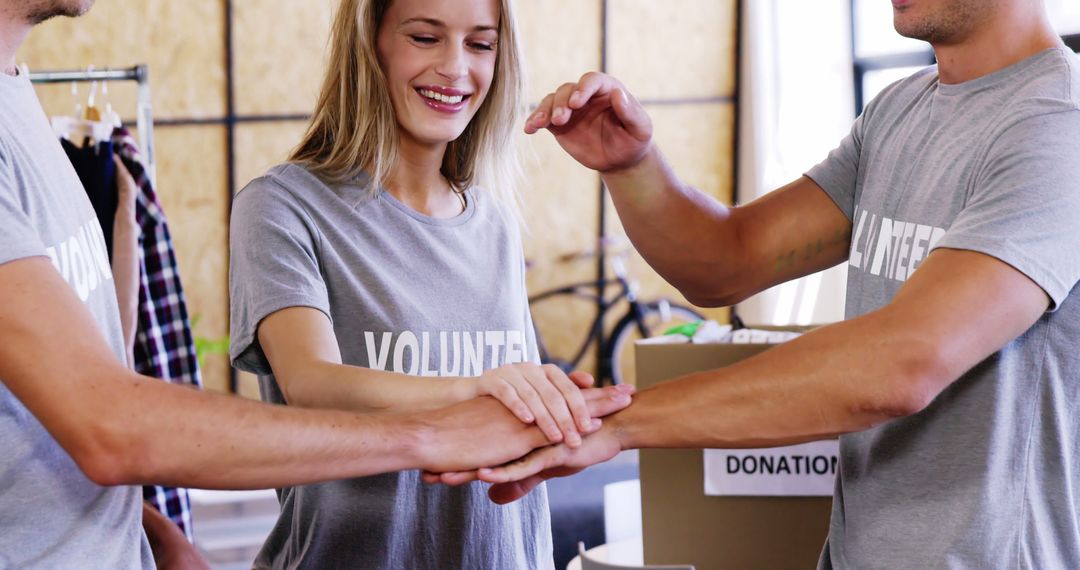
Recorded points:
354,132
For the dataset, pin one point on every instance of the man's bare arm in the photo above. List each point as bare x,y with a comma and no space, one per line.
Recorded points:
714,254
718,255
302,349
122,428
958,308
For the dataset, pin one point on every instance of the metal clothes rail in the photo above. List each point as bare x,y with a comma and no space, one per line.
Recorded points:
144,117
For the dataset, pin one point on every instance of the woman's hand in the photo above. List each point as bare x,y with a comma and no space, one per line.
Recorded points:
543,394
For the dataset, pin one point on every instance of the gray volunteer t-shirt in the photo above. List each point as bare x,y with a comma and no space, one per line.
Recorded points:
987,475
51,515
406,293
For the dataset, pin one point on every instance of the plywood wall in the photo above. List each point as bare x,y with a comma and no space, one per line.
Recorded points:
676,55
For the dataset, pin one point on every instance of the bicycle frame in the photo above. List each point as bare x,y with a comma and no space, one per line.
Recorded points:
603,303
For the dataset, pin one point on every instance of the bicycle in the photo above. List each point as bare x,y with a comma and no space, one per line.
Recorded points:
642,319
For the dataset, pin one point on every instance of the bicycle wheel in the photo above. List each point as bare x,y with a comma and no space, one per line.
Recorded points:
658,316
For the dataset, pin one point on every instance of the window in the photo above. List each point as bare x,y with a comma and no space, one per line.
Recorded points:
882,56
1065,15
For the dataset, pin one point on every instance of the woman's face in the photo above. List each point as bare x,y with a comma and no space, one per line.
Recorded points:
438,57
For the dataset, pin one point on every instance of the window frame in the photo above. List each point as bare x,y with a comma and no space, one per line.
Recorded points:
861,66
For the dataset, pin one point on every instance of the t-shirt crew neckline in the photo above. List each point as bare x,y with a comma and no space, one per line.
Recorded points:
972,85
19,80
462,218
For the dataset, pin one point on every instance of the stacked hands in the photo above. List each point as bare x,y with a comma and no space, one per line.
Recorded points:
537,416
603,127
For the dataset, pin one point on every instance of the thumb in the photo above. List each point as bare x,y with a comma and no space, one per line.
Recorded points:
631,114
503,493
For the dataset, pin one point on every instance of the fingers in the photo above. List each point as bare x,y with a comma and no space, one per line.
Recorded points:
525,467
606,401
631,114
504,493
517,388
541,116
536,391
554,391
560,106
125,183
572,400
553,401
457,478
581,379
557,108
510,397
544,395
591,84
572,96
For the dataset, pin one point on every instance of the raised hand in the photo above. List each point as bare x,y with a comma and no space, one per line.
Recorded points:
596,121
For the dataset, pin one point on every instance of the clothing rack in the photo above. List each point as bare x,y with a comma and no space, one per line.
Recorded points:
144,120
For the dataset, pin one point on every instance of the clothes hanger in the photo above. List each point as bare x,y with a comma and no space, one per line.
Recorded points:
110,116
86,127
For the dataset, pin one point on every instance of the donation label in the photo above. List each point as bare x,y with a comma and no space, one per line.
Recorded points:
804,470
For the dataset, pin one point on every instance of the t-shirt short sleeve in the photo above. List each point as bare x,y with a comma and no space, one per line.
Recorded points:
838,173
274,265
1025,206
18,238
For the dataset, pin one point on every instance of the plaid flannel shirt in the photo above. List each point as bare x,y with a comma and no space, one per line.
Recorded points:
164,345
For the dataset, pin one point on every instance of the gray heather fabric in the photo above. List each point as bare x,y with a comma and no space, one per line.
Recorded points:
51,515
404,292
986,476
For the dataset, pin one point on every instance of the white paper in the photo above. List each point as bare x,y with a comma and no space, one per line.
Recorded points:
804,470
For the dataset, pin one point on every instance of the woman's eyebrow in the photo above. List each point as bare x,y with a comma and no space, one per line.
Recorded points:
440,24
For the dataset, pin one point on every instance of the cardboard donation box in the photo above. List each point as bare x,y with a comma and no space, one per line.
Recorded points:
730,509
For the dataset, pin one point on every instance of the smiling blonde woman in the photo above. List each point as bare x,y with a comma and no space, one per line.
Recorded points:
381,270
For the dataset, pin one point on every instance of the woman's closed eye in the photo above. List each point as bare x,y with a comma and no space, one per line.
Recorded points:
424,39
482,46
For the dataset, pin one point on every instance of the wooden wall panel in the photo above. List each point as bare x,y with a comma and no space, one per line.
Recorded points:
192,190
560,40
181,42
262,145
674,48
280,54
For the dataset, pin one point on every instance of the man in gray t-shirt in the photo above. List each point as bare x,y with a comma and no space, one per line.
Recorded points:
991,166
954,380
44,212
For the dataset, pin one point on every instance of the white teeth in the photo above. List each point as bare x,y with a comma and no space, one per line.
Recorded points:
451,99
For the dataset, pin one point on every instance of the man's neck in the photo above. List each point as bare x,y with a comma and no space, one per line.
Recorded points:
1011,36
13,31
